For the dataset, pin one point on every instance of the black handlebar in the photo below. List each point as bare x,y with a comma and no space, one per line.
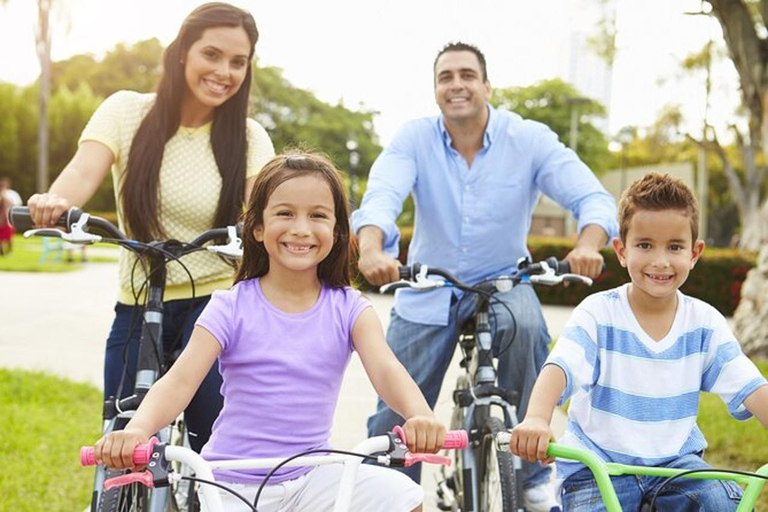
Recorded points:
409,272
22,220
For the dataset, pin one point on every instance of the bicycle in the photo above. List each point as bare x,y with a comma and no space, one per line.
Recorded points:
153,359
158,456
483,480
603,471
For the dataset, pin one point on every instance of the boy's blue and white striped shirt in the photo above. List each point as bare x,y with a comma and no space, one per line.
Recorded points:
635,400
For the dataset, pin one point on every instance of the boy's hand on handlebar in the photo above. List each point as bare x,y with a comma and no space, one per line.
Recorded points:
585,261
115,450
378,267
46,209
424,434
530,440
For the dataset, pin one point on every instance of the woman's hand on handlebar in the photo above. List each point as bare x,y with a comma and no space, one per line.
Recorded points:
530,440
46,209
378,267
115,450
424,434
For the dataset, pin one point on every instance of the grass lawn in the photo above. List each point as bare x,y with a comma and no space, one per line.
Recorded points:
734,444
26,257
44,422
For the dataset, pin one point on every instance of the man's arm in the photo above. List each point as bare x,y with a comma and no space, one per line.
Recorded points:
562,176
391,179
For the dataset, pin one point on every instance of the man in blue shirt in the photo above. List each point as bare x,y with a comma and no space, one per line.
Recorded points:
476,175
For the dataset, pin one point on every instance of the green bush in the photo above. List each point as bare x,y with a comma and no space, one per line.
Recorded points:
717,278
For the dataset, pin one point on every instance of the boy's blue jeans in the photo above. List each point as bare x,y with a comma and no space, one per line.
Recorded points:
179,318
580,492
427,350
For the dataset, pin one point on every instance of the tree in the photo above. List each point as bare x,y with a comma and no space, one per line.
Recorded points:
43,40
744,29
551,102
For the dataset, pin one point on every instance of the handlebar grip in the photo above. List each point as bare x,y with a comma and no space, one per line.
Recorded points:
404,272
142,453
561,267
454,439
22,220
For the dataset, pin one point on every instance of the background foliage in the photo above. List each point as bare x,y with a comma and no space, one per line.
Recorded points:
79,84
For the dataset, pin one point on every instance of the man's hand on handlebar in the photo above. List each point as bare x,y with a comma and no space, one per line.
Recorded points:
46,209
378,267
585,261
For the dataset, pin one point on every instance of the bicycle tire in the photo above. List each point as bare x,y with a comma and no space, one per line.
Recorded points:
455,480
498,482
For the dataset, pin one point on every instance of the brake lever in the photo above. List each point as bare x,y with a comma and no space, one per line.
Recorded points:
420,284
76,235
234,247
576,278
550,278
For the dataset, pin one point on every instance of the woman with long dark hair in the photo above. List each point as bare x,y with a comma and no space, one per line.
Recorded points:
183,160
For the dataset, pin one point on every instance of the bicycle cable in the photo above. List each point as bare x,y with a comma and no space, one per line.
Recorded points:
135,246
221,486
302,454
705,470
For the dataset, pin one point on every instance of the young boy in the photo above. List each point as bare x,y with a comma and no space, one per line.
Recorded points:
633,361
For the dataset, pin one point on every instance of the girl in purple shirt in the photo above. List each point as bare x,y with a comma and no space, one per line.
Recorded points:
283,335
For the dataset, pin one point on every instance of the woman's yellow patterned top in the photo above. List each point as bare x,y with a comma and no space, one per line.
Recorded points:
189,191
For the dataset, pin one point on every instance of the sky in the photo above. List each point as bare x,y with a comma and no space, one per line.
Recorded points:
379,54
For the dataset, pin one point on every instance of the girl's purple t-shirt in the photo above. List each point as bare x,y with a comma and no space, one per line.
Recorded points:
282,374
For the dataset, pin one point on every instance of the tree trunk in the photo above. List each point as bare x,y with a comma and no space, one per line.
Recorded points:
43,38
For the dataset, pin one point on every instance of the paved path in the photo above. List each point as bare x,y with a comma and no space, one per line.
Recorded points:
58,323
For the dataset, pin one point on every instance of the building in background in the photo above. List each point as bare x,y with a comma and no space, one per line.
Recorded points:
551,220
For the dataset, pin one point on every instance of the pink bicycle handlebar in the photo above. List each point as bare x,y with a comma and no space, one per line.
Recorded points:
454,439
141,454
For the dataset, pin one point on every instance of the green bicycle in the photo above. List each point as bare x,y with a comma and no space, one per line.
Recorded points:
603,471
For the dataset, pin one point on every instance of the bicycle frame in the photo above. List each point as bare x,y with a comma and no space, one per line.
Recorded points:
477,390
476,401
603,471
149,367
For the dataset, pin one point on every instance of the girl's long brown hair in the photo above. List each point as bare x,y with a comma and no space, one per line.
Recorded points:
334,269
139,191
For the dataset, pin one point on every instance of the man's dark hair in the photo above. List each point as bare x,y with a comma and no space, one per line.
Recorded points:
458,46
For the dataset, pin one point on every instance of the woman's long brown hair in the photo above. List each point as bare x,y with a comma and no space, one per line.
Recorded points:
334,269
139,190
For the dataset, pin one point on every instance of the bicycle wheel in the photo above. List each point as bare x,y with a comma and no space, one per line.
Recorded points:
451,495
184,493
498,486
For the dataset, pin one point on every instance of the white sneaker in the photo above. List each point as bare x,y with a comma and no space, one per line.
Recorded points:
541,499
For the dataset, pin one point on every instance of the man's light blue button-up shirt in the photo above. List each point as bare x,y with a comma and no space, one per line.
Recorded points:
473,221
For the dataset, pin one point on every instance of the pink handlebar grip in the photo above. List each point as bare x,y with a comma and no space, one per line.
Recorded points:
454,439
141,454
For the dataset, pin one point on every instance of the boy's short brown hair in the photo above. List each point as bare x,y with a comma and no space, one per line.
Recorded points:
654,192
